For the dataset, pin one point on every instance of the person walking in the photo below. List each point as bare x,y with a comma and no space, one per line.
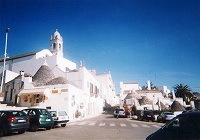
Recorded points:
117,112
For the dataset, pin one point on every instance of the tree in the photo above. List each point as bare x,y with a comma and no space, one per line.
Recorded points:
184,92
151,86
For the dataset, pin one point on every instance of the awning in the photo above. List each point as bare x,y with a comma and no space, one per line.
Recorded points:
33,91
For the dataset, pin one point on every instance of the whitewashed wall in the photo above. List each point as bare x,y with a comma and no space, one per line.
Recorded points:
128,86
9,75
32,63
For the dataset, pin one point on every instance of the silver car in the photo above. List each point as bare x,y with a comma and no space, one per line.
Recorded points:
165,116
119,112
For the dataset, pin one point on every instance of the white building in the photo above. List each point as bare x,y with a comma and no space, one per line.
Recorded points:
131,94
125,89
81,91
164,90
91,88
128,87
46,91
107,85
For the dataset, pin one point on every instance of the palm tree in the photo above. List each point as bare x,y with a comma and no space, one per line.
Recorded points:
184,92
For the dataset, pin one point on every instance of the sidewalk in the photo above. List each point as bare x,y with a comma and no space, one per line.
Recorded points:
81,119
5,107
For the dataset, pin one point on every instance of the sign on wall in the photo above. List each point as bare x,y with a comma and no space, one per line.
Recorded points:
64,90
55,91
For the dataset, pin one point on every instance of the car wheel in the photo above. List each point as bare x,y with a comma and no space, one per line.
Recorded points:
140,119
63,125
21,131
48,128
54,126
34,127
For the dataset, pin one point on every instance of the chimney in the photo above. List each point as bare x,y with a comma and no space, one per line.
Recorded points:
173,95
148,85
81,64
21,73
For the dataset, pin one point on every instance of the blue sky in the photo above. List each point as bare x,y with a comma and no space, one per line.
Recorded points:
136,40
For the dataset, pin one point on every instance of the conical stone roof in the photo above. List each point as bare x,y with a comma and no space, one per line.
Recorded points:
128,96
43,75
58,80
176,106
163,106
145,101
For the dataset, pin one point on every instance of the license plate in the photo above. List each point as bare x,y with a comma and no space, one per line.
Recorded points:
48,120
21,120
148,115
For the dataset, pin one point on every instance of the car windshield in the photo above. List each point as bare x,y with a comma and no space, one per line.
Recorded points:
168,113
43,112
17,114
62,113
53,113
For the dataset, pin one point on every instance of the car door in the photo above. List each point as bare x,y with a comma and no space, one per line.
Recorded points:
189,127
3,117
162,116
33,117
170,130
181,128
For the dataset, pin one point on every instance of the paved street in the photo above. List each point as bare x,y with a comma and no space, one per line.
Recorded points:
102,127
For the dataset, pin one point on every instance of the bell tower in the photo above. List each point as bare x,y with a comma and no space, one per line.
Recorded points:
57,44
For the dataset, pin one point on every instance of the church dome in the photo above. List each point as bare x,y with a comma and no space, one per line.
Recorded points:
57,34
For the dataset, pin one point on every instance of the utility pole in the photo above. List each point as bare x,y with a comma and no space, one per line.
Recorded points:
4,61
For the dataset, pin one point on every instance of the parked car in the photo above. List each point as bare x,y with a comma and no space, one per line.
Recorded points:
39,118
186,111
60,118
13,120
146,115
185,126
119,112
165,116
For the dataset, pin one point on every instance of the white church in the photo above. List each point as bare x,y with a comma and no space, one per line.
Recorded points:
48,80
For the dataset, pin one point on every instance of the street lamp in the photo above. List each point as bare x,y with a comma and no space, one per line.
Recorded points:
4,61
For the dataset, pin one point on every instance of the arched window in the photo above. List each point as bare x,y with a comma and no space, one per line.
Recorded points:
59,46
54,46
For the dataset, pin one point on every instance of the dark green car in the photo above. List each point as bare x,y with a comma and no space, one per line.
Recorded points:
39,118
